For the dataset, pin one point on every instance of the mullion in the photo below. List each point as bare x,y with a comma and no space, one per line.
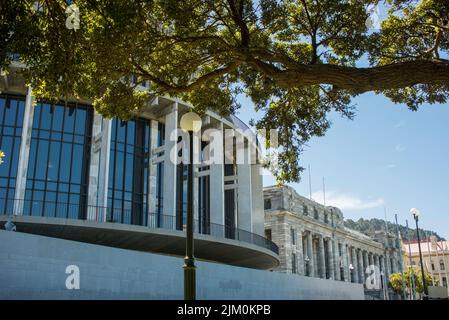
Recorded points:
85,163
1,140
71,160
115,171
1,143
3,119
124,171
13,143
37,153
48,158
60,153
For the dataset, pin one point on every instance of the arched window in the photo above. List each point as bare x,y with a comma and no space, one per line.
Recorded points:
305,210
441,265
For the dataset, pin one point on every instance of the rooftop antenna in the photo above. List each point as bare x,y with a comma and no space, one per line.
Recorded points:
310,184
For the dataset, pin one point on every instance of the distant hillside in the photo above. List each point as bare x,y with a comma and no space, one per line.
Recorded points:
369,226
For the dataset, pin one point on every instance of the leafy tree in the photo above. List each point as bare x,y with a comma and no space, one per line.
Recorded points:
297,60
395,280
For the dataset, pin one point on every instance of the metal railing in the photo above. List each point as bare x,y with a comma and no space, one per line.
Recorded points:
79,211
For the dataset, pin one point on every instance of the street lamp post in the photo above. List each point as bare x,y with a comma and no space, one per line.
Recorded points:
351,272
415,214
307,260
191,123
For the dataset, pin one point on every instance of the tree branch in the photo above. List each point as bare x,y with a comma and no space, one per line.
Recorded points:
359,80
169,88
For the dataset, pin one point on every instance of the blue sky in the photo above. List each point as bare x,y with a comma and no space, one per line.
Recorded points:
387,157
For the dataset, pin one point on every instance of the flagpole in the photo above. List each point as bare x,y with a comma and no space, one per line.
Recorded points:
324,192
310,184
412,274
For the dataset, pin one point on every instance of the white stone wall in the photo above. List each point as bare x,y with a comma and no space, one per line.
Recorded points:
33,267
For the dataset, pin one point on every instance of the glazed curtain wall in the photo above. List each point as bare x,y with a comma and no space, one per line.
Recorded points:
11,119
58,167
128,171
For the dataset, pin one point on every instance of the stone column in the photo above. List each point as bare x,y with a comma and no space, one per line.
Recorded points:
355,271
395,263
244,186
316,257
99,168
217,176
304,252
376,261
336,260
257,214
365,262
310,254
24,153
382,265
330,257
299,252
170,149
370,258
345,260
387,263
152,175
360,266
103,176
96,152
321,258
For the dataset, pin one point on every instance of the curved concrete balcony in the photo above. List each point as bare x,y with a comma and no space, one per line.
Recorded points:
158,233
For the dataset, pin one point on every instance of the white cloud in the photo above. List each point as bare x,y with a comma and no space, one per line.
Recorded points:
347,201
400,124
399,148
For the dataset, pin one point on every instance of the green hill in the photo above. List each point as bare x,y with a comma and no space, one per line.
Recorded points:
368,227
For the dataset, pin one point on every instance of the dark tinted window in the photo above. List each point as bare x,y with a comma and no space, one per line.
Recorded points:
128,171
11,119
58,170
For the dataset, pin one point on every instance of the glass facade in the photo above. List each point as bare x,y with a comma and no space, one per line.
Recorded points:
229,208
128,171
58,173
58,168
11,119
57,178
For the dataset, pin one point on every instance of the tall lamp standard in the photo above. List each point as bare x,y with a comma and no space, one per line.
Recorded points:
191,123
415,213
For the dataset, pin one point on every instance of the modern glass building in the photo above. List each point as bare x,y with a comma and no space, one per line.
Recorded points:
66,164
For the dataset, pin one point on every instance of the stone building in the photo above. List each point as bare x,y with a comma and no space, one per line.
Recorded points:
435,256
313,240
